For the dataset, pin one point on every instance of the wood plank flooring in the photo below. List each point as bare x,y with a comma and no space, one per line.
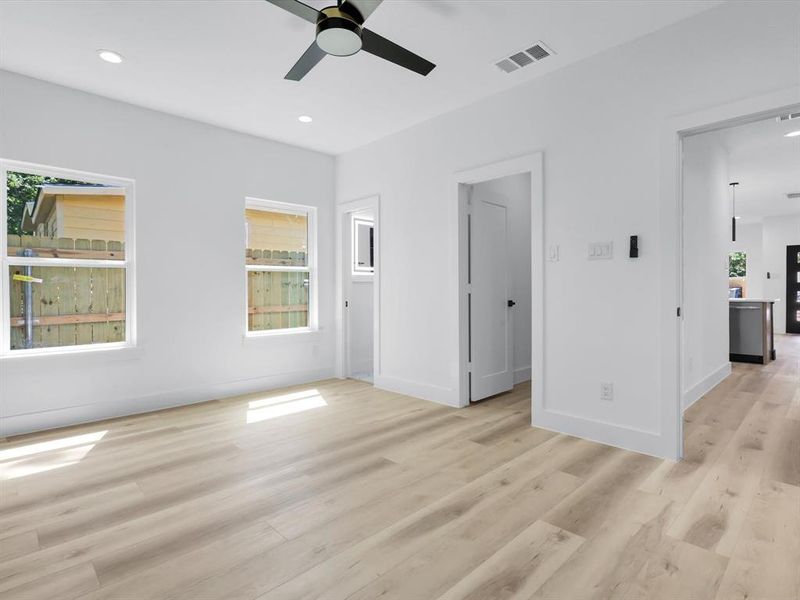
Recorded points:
336,490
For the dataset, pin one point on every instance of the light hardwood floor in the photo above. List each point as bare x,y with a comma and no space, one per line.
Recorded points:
363,494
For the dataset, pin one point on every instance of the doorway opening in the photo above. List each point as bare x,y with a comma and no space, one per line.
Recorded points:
500,257
357,228
499,277
740,277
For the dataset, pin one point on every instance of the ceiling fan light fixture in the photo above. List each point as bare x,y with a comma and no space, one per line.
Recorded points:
338,36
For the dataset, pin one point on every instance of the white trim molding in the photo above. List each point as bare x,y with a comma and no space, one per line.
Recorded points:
425,391
310,213
128,263
98,411
670,294
708,383
533,165
372,203
522,374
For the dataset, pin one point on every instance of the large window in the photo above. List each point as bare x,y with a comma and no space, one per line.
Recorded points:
280,263
67,260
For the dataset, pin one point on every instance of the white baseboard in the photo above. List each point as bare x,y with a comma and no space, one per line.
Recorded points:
88,413
708,383
417,389
610,434
522,374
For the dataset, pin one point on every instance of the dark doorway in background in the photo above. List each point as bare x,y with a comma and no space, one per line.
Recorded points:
792,289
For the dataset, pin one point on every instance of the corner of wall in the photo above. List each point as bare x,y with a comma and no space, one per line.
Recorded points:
707,384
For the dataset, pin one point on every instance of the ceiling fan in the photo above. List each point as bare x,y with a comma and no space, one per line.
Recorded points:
341,32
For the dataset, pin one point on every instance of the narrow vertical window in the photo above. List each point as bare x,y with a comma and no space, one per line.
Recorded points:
280,264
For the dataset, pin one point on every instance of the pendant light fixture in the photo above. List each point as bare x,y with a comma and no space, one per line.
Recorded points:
733,185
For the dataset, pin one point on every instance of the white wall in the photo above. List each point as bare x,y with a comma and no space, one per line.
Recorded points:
516,190
191,182
779,232
749,239
706,244
599,123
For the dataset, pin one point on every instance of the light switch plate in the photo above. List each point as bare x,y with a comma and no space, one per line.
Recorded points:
601,250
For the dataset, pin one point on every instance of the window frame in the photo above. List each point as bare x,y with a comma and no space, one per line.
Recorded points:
359,273
7,262
310,212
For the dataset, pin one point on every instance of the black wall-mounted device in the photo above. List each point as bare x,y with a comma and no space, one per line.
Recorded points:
634,253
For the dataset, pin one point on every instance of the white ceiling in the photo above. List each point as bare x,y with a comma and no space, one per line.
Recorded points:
767,166
223,62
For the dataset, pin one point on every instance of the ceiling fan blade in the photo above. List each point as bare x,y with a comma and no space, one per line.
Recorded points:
364,7
304,11
308,61
380,46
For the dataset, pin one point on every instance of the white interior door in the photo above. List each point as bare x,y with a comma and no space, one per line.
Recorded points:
491,341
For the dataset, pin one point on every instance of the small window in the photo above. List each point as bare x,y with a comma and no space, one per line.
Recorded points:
737,264
67,269
363,246
280,264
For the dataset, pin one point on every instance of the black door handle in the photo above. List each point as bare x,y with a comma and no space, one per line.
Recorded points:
511,303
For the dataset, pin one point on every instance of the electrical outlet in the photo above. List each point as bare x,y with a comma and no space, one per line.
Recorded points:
607,392
552,253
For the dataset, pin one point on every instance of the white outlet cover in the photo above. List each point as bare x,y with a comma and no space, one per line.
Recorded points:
607,392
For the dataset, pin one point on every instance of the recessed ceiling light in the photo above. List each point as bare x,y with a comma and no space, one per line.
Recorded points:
792,133
304,119
110,56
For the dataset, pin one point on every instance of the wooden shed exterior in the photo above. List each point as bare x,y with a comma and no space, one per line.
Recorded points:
276,230
77,212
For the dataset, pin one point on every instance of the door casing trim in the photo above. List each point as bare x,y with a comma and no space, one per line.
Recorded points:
532,164
370,202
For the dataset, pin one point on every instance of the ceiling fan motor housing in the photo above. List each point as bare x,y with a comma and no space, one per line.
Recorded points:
338,33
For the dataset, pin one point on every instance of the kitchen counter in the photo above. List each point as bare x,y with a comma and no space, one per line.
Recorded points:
751,330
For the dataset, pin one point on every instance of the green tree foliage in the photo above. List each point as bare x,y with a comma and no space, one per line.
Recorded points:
737,264
23,188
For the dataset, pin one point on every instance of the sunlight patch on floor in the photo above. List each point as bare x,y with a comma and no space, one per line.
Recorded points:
33,465
285,404
280,399
57,444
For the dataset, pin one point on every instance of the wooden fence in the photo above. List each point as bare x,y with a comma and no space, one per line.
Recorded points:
65,247
276,300
86,305
71,305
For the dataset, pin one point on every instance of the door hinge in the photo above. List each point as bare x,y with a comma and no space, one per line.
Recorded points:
679,311
346,304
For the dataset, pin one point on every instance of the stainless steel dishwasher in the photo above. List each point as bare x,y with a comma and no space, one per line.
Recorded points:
751,337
